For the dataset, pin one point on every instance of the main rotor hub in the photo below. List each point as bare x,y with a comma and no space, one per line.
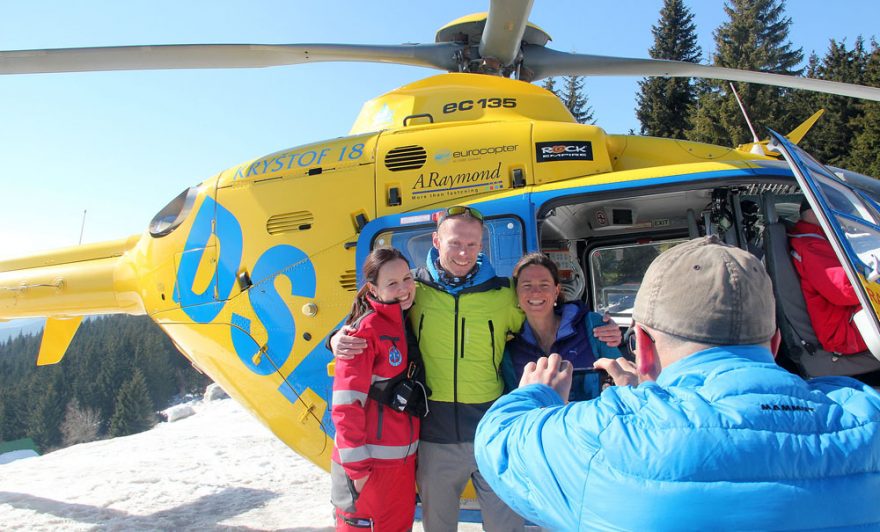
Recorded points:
468,30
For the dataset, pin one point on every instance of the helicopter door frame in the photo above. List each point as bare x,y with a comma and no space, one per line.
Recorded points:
854,233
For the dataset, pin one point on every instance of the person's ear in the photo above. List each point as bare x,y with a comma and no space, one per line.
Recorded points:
435,238
371,288
775,342
647,359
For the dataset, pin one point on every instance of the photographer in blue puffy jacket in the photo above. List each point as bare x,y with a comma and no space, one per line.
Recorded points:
703,431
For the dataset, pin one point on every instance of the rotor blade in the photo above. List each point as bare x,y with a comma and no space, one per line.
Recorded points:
504,29
545,63
176,56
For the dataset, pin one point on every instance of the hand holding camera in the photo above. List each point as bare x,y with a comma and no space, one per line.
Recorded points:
552,371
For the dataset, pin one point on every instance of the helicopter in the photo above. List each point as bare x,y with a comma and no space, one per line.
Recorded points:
250,270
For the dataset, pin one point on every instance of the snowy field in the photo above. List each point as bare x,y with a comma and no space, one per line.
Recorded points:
217,470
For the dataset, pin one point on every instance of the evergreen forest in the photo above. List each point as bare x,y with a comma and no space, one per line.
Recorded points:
117,373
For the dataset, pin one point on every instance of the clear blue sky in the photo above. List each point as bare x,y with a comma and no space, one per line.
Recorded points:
121,144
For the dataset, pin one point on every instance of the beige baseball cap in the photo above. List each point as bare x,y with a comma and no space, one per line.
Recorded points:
709,292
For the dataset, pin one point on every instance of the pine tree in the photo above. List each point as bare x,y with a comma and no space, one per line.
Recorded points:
573,96
134,409
802,104
15,413
831,138
550,85
116,343
755,38
154,355
45,414
665,103
865,153
3,408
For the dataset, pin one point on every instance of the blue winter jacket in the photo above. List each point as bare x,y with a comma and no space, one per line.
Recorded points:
725,439
574,342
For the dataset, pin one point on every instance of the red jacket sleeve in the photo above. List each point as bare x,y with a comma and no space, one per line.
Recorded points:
351,384
822,268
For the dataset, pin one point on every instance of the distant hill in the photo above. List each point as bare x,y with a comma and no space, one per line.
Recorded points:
11,329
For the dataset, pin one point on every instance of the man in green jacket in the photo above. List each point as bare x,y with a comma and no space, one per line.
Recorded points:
461,317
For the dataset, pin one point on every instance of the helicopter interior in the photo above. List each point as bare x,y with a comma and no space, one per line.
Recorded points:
610,240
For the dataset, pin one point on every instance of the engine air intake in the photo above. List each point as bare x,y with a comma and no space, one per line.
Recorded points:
405,158
289,221
348,280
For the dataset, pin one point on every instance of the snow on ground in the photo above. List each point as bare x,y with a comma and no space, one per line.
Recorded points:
217,470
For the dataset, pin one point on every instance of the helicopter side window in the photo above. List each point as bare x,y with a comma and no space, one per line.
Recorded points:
865,241
173,214
844,201
840,198
503,243
859,220
617,273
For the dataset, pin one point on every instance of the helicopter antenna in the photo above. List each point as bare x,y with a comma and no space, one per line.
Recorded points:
745,114
82,227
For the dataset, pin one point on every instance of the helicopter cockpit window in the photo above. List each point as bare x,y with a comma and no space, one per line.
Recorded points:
844,201
839,197
617,273
858,220
503,243
173,214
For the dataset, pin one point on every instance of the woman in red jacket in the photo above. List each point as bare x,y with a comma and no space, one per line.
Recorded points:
374,453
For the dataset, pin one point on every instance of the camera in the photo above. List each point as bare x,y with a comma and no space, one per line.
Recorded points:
587,383
402,393
406,395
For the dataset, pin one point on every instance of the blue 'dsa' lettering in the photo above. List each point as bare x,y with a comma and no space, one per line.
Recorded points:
203,307
267,303
271,309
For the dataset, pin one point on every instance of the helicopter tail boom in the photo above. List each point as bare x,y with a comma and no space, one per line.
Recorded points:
79,281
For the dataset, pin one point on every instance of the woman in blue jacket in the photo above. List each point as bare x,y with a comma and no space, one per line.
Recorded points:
554,326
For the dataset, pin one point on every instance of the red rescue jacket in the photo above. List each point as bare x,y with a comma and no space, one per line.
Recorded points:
369,434
831,299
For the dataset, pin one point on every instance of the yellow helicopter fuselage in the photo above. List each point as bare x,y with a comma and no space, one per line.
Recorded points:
250,271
